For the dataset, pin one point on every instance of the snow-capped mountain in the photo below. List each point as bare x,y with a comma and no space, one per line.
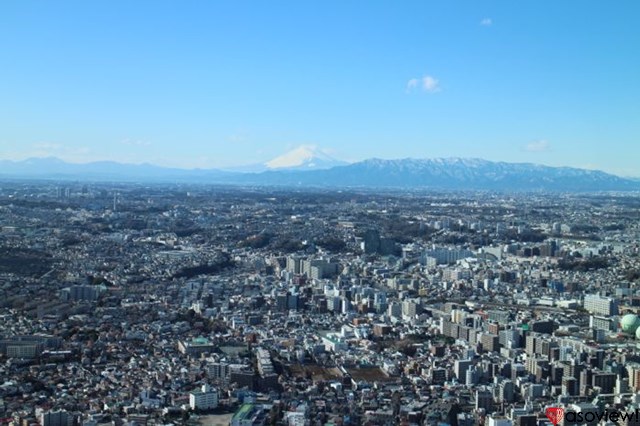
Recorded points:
303,157
450,173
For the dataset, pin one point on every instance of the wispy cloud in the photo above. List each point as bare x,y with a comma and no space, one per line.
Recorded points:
239,136
426,83
486,22
43,149
72,153
47,146
135,142
537,146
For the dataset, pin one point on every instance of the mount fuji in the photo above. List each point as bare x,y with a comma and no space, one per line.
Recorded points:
301,158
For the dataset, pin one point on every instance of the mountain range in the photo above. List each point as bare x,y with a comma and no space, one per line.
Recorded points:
304,170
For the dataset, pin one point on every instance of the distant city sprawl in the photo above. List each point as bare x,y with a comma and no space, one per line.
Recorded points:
198,304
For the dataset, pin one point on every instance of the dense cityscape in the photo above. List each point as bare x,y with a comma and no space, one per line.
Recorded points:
196,304
319,213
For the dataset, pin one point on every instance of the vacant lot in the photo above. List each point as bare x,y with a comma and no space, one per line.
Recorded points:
316,372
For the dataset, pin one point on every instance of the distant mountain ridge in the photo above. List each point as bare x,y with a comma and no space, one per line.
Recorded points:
55,168
455,174
437,173
472,173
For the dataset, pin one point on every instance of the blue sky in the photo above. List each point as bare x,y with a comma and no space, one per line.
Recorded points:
215,83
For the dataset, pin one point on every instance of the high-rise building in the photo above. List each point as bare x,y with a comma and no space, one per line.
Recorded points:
204,399
374,244
600,323
472,376
599,305
57,418
294,264
509,338
506,391
490,342
484,400
410,308
460,368
81,293
218,371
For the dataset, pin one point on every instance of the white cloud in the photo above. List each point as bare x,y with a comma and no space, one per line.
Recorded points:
425,83
486,22
538,146
430,84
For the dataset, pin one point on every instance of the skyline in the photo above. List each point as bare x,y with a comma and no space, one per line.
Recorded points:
220,85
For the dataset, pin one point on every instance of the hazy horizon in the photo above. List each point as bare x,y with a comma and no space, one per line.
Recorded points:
242,168
221,85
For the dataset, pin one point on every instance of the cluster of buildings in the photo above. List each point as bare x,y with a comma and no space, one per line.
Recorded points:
187,305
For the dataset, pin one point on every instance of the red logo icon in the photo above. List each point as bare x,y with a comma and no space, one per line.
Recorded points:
555,414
